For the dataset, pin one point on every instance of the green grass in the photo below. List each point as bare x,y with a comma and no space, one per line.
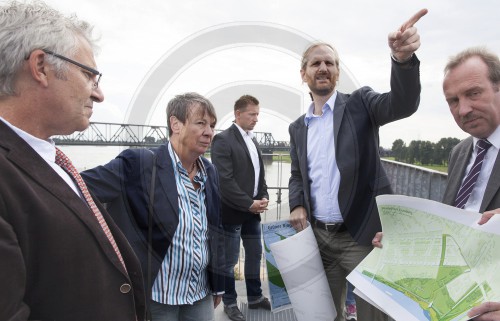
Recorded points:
282,156
440,168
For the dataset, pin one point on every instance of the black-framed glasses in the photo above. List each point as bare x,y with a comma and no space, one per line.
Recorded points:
91,70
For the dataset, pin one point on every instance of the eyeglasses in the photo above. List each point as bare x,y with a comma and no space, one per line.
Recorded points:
91,70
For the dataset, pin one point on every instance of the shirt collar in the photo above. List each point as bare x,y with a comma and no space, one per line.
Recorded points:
330,103
244,133
494,138
45,148
178,164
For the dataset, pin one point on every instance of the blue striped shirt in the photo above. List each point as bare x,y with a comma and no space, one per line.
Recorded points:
182,278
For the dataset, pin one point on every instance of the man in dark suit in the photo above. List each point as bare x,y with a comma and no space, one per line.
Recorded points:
174,191
61,255
471,87
336,171
238,159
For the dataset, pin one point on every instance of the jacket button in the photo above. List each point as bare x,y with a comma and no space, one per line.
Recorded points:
125,288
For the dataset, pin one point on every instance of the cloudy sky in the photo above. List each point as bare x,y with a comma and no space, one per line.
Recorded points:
137,34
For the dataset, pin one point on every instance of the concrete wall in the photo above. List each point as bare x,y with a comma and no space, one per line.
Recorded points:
415,181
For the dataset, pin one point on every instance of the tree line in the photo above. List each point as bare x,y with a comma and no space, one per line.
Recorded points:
424,152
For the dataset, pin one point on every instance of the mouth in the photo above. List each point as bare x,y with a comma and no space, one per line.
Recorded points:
323,78
469,121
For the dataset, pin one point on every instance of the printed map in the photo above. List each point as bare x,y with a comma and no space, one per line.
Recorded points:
434,267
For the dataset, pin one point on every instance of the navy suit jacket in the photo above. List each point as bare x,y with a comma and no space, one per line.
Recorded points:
357,118
124,186
457,165
56,263
230,155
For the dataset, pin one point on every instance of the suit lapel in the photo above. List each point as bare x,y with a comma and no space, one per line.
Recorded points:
21,154
456,176
492,186
338,114
167,180
301,140
240,140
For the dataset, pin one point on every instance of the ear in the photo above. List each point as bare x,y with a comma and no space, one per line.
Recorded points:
37,65
175,124
303,75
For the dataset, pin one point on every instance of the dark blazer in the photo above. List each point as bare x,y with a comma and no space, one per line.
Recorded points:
56,263
356,121
459,158
230,155
124,185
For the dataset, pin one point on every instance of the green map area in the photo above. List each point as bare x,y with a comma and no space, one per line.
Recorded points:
445,267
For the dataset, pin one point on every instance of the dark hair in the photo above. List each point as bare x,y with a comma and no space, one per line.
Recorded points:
489,58
244,101
182,105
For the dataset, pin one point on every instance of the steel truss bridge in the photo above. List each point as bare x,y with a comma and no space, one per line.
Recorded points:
112,134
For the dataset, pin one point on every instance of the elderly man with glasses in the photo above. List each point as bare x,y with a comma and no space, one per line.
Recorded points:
61,255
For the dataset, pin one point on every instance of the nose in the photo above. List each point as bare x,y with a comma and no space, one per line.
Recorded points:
322,66
97,95
209,131
464,108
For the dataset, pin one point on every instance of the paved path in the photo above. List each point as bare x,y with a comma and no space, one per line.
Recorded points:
253,315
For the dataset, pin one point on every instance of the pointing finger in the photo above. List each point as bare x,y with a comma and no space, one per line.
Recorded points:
413,20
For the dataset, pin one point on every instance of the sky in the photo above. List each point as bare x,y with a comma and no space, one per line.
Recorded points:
136,35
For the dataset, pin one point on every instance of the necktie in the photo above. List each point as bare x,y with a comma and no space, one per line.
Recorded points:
65,163
470,180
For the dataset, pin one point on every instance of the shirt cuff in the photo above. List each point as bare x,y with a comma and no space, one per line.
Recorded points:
402,62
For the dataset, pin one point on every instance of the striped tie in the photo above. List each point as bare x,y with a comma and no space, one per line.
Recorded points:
65,163
470,180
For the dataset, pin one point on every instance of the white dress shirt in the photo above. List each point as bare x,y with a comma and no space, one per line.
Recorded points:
47,150
254,155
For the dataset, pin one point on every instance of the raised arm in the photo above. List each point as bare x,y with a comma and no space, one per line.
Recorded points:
406,40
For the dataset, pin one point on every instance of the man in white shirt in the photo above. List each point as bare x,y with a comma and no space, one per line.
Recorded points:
62,257
243,187
471,87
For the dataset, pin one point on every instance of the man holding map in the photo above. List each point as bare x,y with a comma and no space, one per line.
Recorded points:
471,87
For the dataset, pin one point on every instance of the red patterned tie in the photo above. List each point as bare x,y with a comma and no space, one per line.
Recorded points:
65,163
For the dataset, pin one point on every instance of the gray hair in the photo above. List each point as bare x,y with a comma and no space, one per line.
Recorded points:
489,58
25,27
181,107
306,53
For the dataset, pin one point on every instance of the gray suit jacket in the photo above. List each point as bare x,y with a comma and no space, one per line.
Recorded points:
459,158
356,121
230,155
56,263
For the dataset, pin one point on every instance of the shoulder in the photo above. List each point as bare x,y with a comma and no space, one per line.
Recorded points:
206,162
210,168
463,145
224,138
361,92
298,122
